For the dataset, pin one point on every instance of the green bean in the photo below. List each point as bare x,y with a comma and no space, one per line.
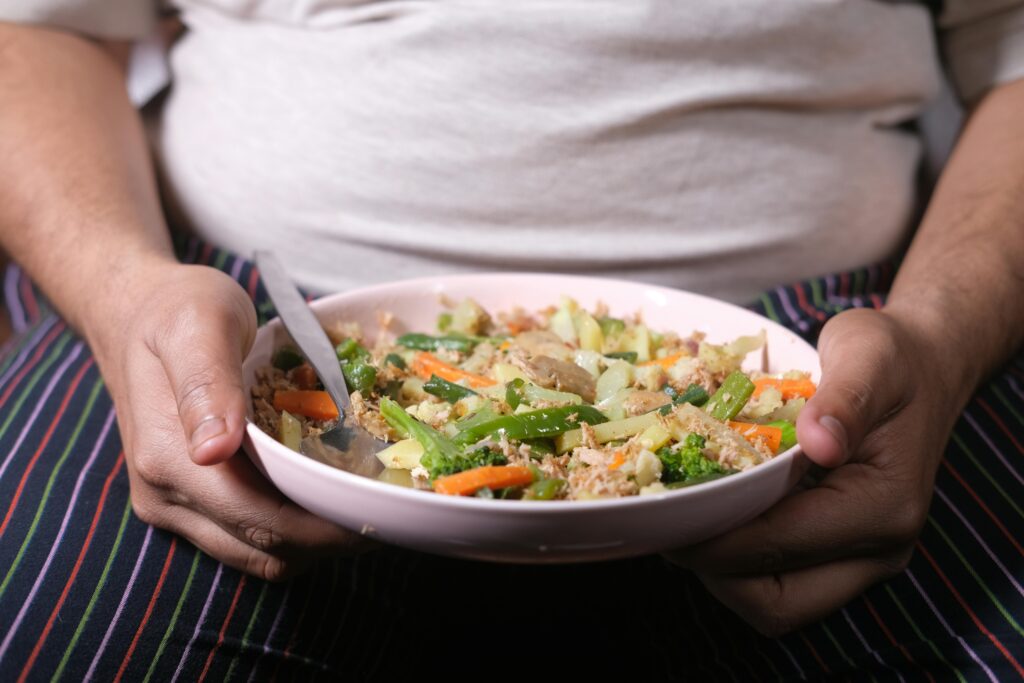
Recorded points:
730,398
448,391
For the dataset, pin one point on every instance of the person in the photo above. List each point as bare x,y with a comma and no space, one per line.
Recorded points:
719,147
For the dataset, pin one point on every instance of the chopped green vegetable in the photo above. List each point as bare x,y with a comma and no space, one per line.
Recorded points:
444,321
359,376
533,393
540,447
628,356
481,416
534,424
611,326
393,389
730,398
440,456
448,391
687,461
350,350
291,430
396,360
694,394
514,393
788,434
544,489
425,342
286,358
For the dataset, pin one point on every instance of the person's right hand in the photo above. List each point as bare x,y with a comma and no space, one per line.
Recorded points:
171,354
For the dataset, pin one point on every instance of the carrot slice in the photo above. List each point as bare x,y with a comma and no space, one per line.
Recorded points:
789,388
772,436
488,476
426,364
618,462
315,404
666,362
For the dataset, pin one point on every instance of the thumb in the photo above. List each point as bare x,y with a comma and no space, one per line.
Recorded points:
862,381
202,358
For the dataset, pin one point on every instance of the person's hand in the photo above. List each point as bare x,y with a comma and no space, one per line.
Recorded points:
878,422
171,352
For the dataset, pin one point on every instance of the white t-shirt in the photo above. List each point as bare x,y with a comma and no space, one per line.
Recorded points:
722,146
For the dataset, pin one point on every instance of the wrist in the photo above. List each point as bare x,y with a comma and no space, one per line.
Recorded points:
941,352
136,282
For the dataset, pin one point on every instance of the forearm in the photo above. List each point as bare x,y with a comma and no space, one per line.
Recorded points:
962,281
78,202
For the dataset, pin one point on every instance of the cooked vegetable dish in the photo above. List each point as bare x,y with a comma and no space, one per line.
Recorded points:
559,404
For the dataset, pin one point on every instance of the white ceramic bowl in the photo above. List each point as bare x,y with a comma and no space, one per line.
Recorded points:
533,531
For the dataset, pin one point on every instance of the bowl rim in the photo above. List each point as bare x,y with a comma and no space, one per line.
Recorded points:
527,507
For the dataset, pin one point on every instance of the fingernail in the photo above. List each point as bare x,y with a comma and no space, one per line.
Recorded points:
835,428
208,429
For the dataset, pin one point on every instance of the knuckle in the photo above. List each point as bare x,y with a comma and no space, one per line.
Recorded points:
897,562
262,537
906,521
147,510
194,392
263,531
150,469
856,393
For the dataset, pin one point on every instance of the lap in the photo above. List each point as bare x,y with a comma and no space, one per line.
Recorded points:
86,589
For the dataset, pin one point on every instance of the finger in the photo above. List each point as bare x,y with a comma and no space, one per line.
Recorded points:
777,604
863,379
222,546
202,357
245,505
851,513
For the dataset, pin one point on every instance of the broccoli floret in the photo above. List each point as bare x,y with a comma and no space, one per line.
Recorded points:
442,465
688,462
440,456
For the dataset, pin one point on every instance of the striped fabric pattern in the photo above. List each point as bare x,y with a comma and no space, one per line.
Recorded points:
88,592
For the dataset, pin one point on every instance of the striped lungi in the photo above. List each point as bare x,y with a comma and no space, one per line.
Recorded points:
87,591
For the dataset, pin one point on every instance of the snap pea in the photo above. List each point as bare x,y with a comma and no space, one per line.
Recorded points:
694,394
350,350
396,360
425,342
540,447
534,424
359,376
448,391
730,398
788,434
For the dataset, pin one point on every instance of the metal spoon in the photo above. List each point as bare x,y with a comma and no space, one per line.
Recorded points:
346,445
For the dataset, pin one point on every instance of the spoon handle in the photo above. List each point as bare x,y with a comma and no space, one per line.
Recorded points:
303,327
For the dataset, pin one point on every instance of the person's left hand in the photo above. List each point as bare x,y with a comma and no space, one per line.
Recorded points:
878,422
